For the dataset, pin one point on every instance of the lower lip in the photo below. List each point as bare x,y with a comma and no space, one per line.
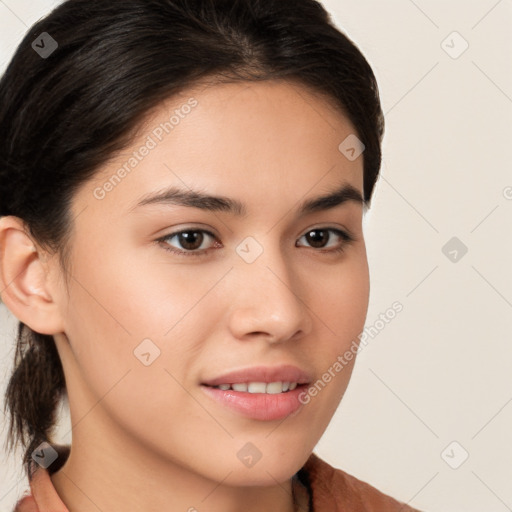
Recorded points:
258,406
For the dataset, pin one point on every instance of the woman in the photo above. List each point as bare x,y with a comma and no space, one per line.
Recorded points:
182,193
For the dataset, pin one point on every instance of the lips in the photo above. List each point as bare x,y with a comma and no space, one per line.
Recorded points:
262,374
271,388
260,393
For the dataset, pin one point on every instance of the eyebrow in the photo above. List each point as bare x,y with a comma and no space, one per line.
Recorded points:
196,199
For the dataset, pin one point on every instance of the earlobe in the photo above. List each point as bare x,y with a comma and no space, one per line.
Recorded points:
24,279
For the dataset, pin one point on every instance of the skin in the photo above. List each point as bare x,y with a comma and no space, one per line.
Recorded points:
147,437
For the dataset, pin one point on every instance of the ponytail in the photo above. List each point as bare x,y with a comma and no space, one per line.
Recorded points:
33,393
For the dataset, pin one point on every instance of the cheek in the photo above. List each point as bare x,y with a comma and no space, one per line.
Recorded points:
143,398
105,320
127,297
341,304
125,316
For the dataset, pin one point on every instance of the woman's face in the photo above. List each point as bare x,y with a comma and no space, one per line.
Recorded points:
148,323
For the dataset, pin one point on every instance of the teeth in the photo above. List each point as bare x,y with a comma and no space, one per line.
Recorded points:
257,387
272,388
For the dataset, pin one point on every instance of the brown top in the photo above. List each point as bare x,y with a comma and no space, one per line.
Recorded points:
330,490
334,490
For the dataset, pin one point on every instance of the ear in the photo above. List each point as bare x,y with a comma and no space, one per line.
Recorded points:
25,285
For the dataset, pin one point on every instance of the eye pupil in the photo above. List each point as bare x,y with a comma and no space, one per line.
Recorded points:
188,239
318,241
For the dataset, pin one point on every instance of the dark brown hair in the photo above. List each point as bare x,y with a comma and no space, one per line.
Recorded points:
63,116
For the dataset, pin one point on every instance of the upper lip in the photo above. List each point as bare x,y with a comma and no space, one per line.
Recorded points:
267,374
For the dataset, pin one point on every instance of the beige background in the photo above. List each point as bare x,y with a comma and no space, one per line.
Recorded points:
440,371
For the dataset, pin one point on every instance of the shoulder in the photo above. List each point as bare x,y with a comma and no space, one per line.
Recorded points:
333,490
26,504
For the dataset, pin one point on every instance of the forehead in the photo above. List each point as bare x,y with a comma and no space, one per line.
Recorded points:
245,139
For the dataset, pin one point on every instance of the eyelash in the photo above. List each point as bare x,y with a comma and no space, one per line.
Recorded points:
345,236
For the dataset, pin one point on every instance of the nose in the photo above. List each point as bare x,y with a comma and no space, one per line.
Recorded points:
268,300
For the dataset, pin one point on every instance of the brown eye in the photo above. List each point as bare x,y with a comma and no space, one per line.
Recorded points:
319,238
190,242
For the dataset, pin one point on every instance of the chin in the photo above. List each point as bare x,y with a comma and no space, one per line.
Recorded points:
267,476
268,471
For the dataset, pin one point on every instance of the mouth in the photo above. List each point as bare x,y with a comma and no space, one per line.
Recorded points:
256,404
260,393
271,388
